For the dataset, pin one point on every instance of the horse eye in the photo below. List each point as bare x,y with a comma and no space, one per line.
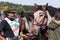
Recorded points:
41,15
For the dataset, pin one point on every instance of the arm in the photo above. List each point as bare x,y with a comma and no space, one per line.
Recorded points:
1,29
52,25
2,38
55,21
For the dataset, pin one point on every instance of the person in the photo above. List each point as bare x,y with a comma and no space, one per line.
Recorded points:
54,27
9,27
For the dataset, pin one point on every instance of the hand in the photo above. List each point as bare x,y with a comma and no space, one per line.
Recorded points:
3,39
29,34
25,36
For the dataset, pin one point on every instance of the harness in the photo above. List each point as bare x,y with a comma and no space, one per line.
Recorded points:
42,21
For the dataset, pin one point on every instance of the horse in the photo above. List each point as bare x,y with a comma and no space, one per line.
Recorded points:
28,25
41,20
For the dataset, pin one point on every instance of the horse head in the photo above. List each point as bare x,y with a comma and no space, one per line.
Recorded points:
39,17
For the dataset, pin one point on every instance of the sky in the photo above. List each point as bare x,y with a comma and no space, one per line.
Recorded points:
54,3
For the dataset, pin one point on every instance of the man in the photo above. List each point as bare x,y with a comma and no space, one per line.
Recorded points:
54,27
9,27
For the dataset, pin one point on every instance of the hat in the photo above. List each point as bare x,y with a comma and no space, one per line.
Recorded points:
8,12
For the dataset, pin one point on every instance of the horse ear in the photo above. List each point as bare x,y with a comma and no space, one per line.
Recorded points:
47,4
35,5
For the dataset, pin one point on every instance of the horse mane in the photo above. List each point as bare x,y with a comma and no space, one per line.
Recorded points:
28,16
50,9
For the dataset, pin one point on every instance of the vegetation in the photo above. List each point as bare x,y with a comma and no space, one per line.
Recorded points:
19,7
16,7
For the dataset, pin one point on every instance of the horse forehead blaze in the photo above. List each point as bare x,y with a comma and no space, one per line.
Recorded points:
40,12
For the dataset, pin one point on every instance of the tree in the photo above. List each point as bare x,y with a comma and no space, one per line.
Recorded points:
20,9
4,8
